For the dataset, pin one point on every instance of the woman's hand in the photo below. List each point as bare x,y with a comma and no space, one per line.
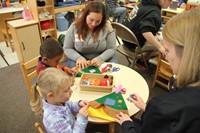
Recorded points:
121,117
82,63
137,100
72,72
95,62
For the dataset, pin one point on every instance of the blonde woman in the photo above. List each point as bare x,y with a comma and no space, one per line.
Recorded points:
177,112
50,98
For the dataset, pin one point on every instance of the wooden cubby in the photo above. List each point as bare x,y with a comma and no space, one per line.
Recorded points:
166,14
49,7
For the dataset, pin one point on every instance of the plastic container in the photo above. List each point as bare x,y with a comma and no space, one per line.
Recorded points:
62,23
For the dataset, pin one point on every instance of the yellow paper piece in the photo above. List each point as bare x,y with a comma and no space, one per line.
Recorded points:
99,113
119,101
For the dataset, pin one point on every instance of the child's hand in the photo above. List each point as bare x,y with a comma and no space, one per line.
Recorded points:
72,72
83,103
83,111
137,100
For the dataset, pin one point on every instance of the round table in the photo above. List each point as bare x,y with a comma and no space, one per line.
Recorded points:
131,80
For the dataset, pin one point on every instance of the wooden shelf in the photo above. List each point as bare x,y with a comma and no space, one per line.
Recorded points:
45,19
166,14
48,30
49,7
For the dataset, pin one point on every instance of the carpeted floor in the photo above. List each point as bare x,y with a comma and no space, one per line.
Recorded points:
15,113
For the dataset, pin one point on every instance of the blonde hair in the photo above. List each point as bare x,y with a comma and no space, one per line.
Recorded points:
49,80
183,31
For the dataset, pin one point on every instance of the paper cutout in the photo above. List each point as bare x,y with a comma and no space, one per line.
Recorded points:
88,70
109,109
109,101
118,89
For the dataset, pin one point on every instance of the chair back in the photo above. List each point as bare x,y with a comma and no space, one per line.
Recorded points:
125,33
29,72
163,72
39,127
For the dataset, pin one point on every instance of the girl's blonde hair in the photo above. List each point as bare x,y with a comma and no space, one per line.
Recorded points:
50,80
183,31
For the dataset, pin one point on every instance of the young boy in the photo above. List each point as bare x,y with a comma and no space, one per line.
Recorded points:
51,53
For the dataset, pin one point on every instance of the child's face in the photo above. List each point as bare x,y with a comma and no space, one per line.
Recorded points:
53,62
65,93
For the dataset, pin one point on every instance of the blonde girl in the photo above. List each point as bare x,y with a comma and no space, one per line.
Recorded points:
50,98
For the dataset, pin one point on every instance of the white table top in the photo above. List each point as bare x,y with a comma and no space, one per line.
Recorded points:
128,78
11,9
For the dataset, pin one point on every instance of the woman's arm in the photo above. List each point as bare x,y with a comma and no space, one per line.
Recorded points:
111,44
69,44
155,118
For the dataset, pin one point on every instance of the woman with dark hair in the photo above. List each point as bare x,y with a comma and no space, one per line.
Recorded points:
90,37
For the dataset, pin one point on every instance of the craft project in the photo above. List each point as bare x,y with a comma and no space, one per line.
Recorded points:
90,69
107,107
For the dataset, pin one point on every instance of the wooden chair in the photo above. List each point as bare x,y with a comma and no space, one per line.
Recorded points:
29,72
39,127
126,34
6,32
163,72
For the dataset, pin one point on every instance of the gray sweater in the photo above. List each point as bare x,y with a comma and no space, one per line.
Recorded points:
103,49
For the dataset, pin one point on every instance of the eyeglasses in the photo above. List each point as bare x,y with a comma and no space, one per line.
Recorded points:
172,84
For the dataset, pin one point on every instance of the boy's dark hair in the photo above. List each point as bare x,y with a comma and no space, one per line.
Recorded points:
51,48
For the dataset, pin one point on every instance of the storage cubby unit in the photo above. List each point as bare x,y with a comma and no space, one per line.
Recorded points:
45,16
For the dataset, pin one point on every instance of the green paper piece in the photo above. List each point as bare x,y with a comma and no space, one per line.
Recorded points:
116,97
79,74
87,70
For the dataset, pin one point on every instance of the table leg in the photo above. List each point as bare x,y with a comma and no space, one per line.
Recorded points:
112,127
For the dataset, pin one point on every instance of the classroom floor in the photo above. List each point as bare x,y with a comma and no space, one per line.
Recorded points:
10,56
